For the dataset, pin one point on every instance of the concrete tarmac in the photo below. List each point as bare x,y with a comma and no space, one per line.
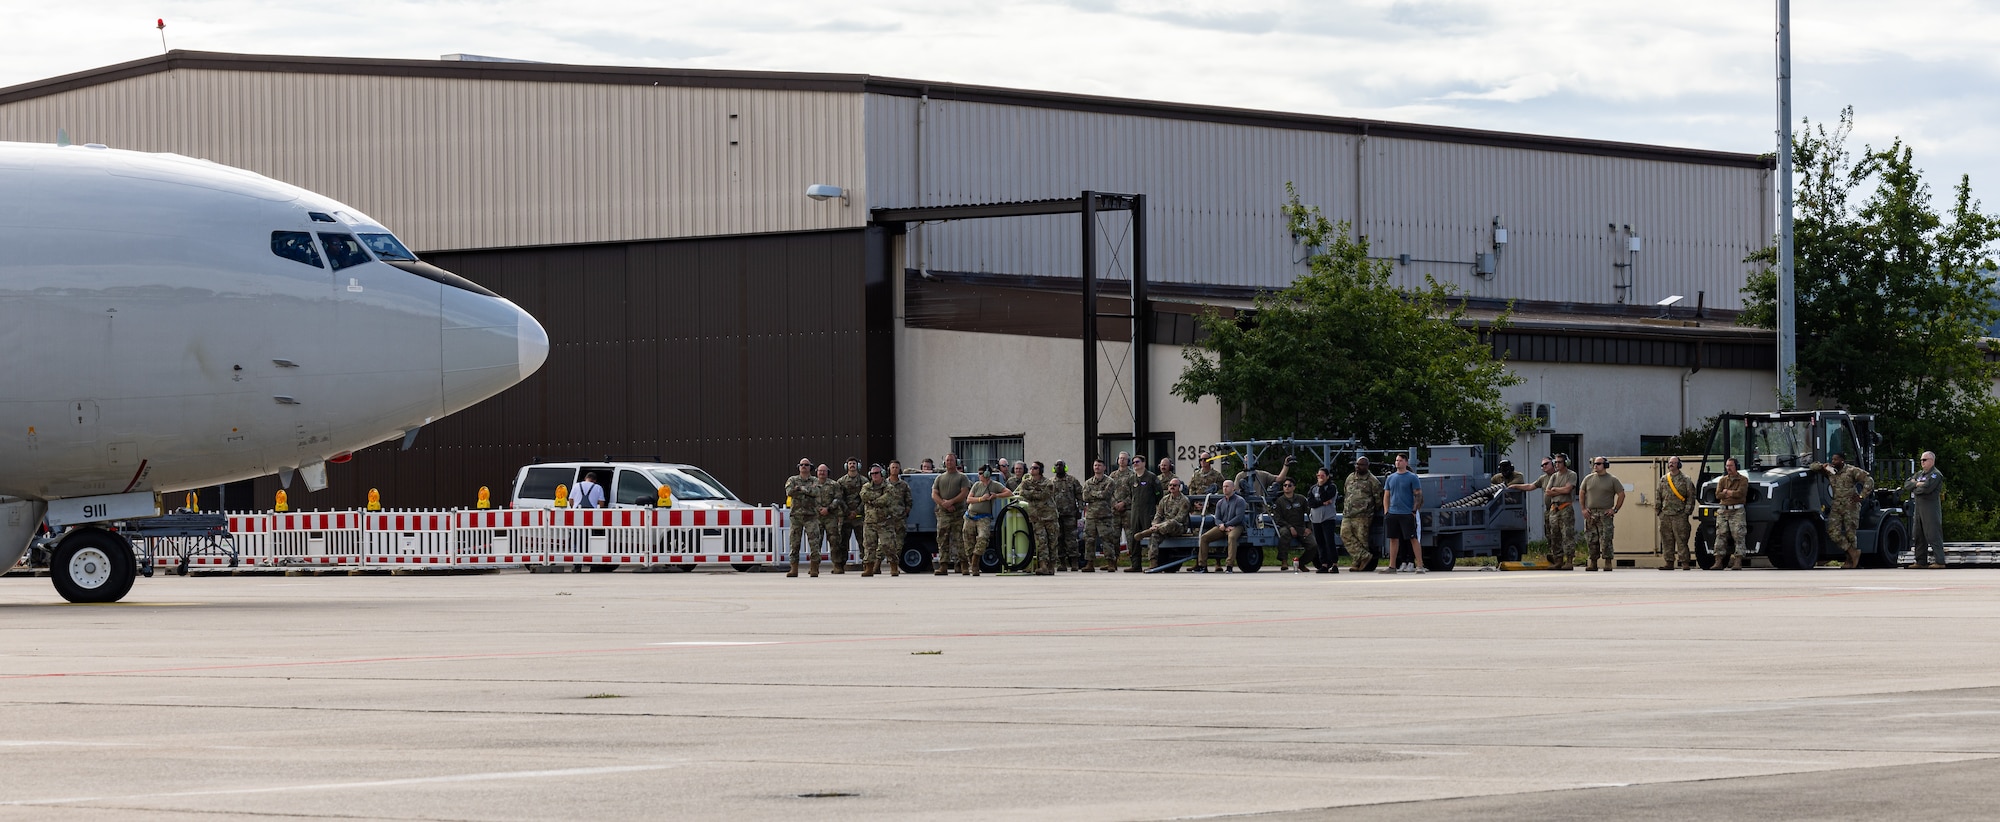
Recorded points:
1640,694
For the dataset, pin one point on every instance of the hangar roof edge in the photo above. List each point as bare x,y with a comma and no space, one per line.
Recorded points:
865,84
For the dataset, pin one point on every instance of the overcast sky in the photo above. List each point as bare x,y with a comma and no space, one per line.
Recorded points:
1690,73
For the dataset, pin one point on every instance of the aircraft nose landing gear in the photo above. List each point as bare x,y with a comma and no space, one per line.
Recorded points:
93,565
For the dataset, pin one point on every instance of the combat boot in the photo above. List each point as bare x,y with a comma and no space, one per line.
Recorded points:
895,566
1735,562
1853,558
794,570
813,569
868,568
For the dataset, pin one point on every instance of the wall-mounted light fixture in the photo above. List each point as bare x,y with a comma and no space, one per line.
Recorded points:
823,192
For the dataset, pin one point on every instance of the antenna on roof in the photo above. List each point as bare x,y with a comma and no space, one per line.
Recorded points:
62,137
161,24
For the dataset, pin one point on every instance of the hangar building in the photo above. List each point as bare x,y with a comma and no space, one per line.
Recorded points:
703,309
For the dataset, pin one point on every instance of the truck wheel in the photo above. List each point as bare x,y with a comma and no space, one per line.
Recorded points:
93,565
1892,538
1800,548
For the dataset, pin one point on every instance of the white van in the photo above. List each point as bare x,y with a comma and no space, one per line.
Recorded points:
626,485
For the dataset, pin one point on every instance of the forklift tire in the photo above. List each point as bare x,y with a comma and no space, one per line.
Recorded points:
1891,539
93,565
915,558
1799,551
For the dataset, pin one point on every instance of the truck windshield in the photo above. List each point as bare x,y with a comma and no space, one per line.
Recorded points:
1781,443
692,484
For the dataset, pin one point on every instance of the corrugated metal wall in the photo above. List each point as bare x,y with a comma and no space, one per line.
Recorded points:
462,163
737,354
1214,194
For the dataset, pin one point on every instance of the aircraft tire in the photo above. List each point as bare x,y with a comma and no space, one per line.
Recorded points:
93,565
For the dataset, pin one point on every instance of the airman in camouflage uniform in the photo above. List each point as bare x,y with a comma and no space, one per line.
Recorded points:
979,519
851,514
799,498
1559,517
1602,495
826,517
1069,507
1039,493
1673,498
1100,528
1205,480
900,518
1169,520
1732,533
948,494
1357,513
879,501
1850,486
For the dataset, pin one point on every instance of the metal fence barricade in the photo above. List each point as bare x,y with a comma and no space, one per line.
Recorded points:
603,536
408,539
729,536
323,538
504,538
252,535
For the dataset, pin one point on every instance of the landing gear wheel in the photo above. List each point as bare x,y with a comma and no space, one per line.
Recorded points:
93,565
1892,538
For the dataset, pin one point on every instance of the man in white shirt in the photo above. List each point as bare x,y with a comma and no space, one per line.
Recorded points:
590,492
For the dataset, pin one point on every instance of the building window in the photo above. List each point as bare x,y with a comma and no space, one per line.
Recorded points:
1654,446
1108,446
977,451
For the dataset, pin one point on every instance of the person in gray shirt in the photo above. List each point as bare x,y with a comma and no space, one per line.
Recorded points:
1231,514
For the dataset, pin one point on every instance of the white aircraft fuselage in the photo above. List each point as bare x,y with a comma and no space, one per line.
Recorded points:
171,323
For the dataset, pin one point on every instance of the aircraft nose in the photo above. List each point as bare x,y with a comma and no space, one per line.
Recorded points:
490,344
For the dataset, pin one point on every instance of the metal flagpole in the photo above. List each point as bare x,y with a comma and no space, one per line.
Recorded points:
1788,348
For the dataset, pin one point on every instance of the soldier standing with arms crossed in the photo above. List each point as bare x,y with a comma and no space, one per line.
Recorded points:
799,497
1100,529
1674,498
1848,486
1039,494
1121,480
979,518
1069,507
1732,490
948,494
1357,516
1603,495
1558,488
826,517
1925,489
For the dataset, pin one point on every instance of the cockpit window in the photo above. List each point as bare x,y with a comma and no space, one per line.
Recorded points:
343,250
387,247
296,246
320,216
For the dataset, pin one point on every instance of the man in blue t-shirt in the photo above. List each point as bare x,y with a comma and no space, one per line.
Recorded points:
1402,495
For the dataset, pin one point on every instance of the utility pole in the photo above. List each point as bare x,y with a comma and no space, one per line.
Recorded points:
1788,343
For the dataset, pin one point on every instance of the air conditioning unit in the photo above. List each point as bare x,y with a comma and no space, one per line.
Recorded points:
1542,413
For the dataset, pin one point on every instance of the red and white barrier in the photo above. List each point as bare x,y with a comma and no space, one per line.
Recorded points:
504,538
408,539
604,536
331,538
733,536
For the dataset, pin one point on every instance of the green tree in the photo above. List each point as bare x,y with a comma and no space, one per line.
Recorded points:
1342,353
1892,299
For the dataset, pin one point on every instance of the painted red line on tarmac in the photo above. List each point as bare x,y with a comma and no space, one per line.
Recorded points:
249,666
